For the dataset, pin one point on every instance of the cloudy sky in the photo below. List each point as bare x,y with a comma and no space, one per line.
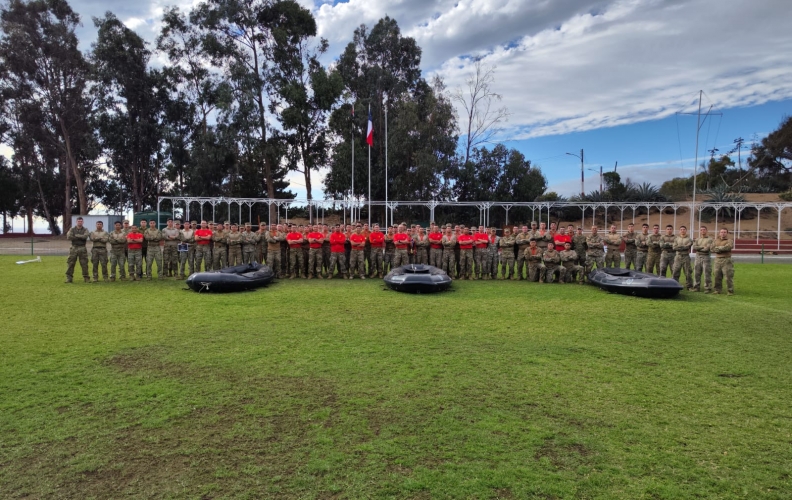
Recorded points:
607,76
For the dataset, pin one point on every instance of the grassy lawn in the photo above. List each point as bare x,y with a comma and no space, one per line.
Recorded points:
317,389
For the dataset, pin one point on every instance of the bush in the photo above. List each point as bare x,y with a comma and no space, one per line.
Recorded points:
786,196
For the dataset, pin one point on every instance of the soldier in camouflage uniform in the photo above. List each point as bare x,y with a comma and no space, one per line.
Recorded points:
261,244
135,255
630,248
642,247
153,236
100,237
682,244
421,242
522,240
579,246
144,251
551,264
668,254
357,260
203,253
724,267
490,255
170,253
655,243
234,242
703,246
569,260
248,245
533,255
187,259
296,261
219,248
595,253
506,244
449,242
118,258
613,256
390,250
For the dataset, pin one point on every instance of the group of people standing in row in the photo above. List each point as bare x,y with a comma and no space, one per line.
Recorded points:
535,253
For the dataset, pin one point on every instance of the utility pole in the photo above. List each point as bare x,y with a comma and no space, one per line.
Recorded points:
695,163
600,178
582,188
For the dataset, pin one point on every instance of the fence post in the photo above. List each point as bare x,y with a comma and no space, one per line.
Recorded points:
31,245
762,253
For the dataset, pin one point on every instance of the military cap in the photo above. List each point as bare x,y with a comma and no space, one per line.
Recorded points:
193,222
227,222
126,221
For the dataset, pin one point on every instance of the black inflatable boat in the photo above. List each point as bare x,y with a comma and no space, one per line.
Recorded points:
417,278
630,282
232,279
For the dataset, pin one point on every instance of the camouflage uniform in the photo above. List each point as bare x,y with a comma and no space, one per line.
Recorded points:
99,253
703,247
551,260
572,270
642,247
682,246
449,260
118,257
274,239
187,259
667,257
170,253
153,236
654,242
296,262
315,262
390,253
203,253
326,253
613,257
595,253
135,262
234,241
506,244
421,249
78,236
219,249
723,264
533,255
630,250
490,255
261,247
248,246
579,246
522,240
357,261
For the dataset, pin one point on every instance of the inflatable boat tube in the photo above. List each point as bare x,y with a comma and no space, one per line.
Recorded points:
638,284
417,278
232,279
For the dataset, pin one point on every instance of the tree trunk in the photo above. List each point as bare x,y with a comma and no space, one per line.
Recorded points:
67,201
29,215
81,196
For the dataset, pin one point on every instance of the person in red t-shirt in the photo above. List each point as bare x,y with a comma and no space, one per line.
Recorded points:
296,262
315,240
337,253
466,242
203,251
356,258
135,252
402,241
479,251
377,241
436,247
561,237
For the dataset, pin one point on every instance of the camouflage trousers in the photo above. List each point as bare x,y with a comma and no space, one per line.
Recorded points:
118,259
535,270
666,262
703,265
724,267
613,258
682,263
315,262
388,261
421,255
465,263
653,262
337,259
170,258
187,261
449,263
507,264
296,262
274,262
375,262
522,262
326,258
489,264
357,263
640,260
553,270
153,255
630,258
135,263
203,254
99,257
219,256
572,271
479,256
248,254
400,258
77,253
592,259
235,255
436,257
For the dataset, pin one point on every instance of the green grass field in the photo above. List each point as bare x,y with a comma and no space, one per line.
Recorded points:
337,389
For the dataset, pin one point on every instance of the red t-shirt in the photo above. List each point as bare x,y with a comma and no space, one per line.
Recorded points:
377,239
357,240
203,232
337,241
315,236
135,241
560,239
401,240
435,240
481,240
291,238
465,241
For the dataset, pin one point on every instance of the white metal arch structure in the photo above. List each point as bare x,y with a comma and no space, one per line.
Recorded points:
543,208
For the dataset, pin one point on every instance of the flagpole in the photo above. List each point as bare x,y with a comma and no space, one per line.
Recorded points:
369,175
386,159
352,196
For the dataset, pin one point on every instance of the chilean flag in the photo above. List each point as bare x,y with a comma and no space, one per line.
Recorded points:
370,131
